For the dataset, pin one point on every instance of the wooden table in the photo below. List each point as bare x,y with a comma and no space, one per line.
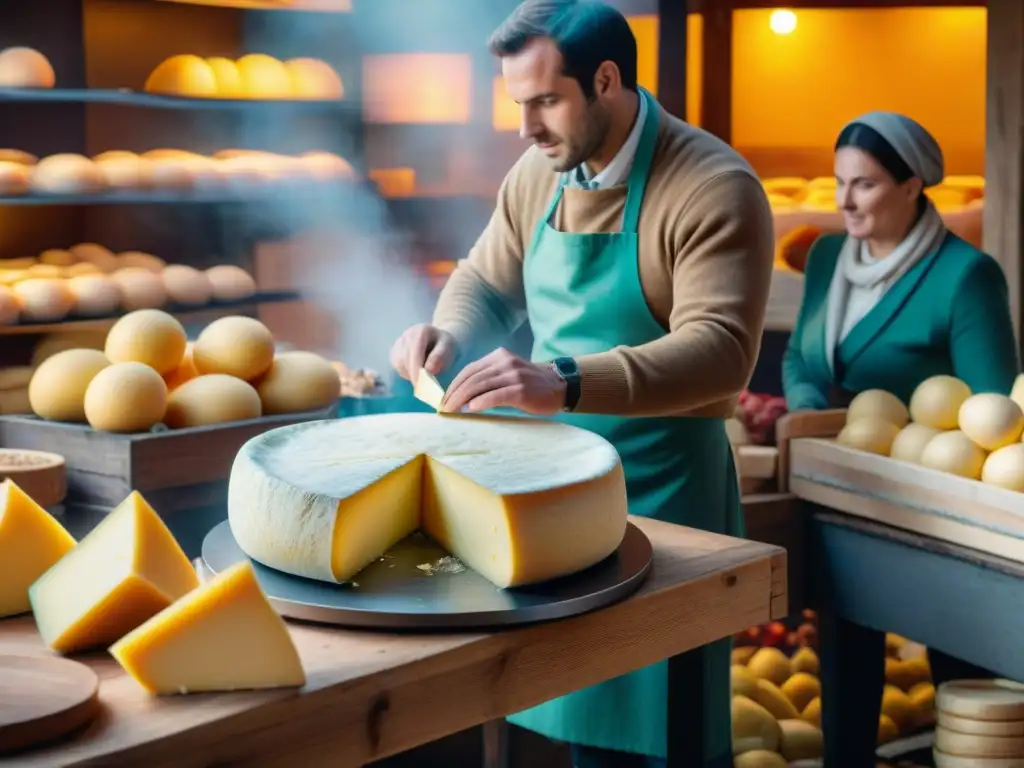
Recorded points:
885,552
372,695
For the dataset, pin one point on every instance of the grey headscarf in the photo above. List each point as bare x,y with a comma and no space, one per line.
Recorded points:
918,148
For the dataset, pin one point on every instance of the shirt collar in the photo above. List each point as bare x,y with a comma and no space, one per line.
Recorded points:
617,171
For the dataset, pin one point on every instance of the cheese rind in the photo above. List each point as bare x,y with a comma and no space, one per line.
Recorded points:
518,500
31,541
222,636
126,570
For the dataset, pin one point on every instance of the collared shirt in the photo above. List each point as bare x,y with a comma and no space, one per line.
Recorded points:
617,171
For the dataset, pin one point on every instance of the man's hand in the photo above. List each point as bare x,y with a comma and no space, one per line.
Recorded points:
422,346
502,379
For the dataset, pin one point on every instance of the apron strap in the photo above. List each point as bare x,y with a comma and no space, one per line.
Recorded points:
641,164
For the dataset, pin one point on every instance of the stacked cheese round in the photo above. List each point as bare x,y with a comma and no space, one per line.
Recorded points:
254,76
90,281
776,709
944,427
980,723
163,169
324,499
148,373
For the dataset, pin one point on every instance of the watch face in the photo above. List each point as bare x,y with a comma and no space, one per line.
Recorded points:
566,366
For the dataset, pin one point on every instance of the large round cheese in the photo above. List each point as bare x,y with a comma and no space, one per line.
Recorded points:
518,500
991,420
936,402
147,336
211,399
298,381
878,404
236,345
869,434
57,388
125,397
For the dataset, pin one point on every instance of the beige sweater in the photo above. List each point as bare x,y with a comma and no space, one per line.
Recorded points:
706,250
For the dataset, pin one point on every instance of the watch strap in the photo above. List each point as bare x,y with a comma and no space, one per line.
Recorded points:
569,372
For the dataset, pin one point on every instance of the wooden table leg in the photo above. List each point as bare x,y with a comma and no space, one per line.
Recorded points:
695,729
496,743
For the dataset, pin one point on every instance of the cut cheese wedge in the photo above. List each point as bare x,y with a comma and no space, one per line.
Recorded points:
428,390
126,570
518,500
223,636
31,541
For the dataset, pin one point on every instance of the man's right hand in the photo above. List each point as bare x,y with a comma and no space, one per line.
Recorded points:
422,346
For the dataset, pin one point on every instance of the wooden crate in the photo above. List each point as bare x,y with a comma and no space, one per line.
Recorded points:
757,466
908,496
173,469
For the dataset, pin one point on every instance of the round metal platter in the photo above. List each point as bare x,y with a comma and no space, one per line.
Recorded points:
418,586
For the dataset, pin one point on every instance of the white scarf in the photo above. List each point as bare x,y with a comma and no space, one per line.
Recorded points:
860,281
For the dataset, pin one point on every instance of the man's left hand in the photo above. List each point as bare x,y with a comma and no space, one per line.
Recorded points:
502,379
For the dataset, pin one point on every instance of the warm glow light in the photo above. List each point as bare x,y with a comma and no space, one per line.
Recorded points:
417,88
782,21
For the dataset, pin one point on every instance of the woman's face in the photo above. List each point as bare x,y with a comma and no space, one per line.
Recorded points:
873,204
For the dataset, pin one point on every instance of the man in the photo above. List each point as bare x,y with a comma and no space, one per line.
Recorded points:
640,250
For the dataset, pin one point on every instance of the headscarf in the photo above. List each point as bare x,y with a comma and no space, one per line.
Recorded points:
907,138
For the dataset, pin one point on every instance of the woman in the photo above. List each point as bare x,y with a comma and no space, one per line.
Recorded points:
895,300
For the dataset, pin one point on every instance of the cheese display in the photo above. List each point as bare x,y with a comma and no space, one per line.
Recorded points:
253,76
31,541
324,499
222,636
950,429
137,380
127,569
980,723
22,67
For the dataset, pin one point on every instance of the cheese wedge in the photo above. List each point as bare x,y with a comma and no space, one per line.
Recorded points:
31,541
223,636
518,500
126,570
428,390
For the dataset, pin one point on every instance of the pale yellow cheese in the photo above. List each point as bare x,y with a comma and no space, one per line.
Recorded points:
126,570
428,390
31,541
518,500
222,636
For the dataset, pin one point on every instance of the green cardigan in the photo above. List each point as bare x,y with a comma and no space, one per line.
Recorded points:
949,314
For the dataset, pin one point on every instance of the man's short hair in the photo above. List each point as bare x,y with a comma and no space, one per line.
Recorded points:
586,34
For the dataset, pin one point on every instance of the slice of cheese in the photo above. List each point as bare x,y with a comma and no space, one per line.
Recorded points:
31,541
428,390
223,636
518,500
126,570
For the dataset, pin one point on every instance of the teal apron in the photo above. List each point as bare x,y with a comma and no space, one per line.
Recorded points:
584,296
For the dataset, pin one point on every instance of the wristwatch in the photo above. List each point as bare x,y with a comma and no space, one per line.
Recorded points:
569,372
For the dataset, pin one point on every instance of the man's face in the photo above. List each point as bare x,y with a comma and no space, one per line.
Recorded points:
555,114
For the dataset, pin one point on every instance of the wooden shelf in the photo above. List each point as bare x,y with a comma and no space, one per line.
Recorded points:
205,313
269,194
126,97
318,6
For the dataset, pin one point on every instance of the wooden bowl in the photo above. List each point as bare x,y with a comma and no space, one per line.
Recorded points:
42,475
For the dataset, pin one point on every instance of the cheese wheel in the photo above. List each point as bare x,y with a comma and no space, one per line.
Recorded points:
991,420
314,79
140,288
909,444
14,179
230,283
955,453
869,434
229,79
973,745
141,260
981,699
297,382
58,257
238,346
44,270
936,402
212,399
17,156
753,727
67,174
264,77
10,306
125,172
183,75
57,389
82,268
187,285
503,495
878,404
800,740
980,727
147,336
95,295
942,760
1005,468
22,67
44,299
125,397
100,257
760,758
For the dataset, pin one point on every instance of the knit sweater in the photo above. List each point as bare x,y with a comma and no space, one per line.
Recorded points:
706,249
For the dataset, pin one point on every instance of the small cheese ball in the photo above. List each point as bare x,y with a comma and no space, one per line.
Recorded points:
126,397
298,382
150,337
57,389
22,67
212,399
237,346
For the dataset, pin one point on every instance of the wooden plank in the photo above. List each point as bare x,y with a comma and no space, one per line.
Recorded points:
779,519
1003,218
716,70
914,498
672,50
803,424
371,695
